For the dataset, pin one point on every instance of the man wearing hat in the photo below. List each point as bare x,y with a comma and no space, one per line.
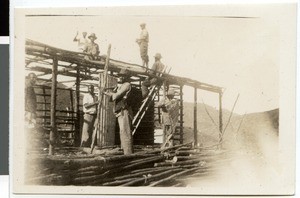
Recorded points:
170,113
123,111
92,48
156,68
143,43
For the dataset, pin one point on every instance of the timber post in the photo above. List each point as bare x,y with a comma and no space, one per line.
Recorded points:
44,106
53,132
195,117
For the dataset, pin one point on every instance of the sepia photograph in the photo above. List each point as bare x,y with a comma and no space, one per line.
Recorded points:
165,100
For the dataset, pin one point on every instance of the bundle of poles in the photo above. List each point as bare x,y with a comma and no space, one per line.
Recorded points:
145,168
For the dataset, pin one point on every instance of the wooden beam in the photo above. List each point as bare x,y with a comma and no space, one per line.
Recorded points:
53,132
195,117
63,72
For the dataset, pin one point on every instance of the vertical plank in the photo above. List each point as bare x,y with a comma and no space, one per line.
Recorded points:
195,117
106,135
100,96
77,110
53,131
99,119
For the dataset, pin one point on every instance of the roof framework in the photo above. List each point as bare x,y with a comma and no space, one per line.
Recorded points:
50,61
68,62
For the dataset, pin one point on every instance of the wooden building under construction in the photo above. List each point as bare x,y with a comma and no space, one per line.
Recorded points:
59,109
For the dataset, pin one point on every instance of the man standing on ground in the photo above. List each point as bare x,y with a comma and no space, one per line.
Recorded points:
123,111
90,112
157,67
30,100
170,109
143,43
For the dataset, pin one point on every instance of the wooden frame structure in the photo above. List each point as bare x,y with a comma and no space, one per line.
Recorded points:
51,61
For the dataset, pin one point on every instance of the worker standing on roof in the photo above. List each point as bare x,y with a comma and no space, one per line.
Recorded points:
123,111
143,43
156,68
90,112
170,109
92,48
82,41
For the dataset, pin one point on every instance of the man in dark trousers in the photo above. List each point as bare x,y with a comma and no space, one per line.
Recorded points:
123,111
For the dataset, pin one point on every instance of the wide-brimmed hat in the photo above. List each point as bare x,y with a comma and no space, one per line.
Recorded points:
171,92
92,35
124,72
158,55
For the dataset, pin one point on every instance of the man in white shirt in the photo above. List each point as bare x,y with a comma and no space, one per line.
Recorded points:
82,41
143,43
90,113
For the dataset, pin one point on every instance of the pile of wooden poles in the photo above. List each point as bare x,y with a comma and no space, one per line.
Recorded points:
146,168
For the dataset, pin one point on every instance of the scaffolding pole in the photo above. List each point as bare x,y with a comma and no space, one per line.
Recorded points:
53,132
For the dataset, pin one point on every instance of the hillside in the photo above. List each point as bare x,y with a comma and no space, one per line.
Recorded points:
208,132
251,133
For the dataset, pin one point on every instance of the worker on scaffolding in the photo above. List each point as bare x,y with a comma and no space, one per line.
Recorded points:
156,69
123,110
30,100
143,44
90,113
170,111
82,41
92,48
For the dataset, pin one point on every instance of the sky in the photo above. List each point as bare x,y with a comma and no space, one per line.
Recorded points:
239,54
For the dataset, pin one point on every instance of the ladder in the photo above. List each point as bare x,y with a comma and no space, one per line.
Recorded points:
145,105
